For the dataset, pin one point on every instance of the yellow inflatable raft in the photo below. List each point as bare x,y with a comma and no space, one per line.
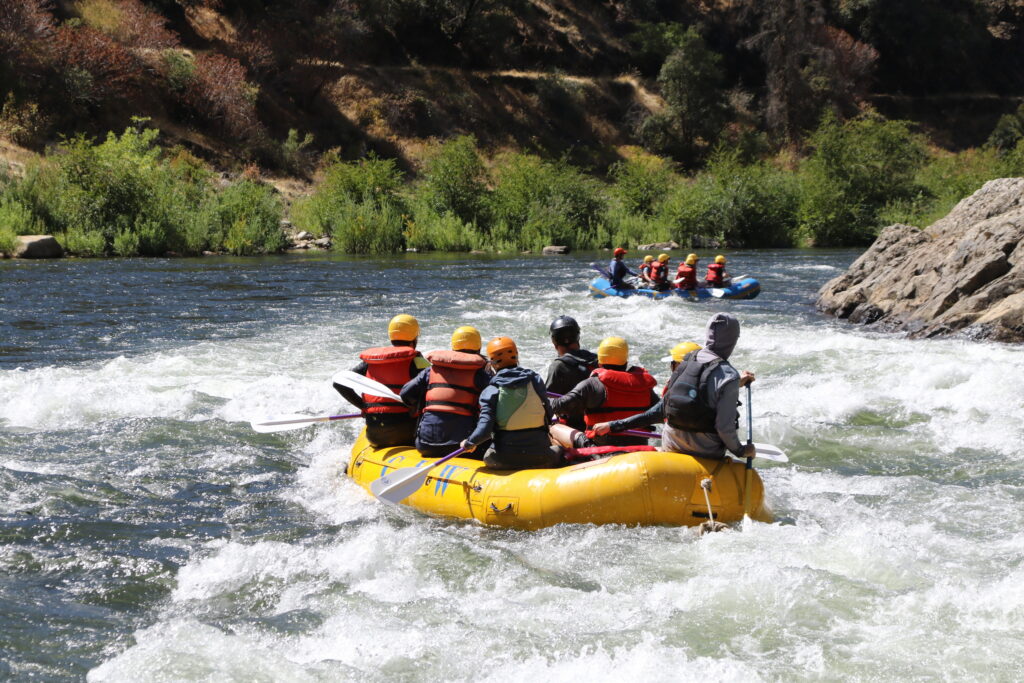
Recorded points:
641,488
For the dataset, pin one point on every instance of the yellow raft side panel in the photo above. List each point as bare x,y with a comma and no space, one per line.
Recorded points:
642,488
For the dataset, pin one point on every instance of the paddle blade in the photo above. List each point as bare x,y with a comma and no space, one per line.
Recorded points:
284,423
770,452
395,487
363,385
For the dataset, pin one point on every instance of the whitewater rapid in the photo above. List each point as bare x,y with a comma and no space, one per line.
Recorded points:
182,546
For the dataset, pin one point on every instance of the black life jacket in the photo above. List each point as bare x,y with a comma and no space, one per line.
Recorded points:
580,367
687,404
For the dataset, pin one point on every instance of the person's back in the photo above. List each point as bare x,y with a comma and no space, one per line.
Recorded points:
645,269
659,272
448,393
701,397
618,271
716,272
514,409
613,392
573,365
686,276
389,422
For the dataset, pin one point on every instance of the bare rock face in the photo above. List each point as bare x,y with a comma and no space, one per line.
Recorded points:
38,246
659,246
964,274
554,250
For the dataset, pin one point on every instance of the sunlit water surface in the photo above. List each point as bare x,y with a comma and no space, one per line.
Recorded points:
146,533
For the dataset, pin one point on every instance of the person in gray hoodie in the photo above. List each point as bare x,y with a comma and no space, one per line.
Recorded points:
700,399
514,408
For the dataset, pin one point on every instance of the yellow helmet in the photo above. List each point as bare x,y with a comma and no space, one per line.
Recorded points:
681,350
466,338
663,257
719,259
403,328
648,258
503,352
613,351
691,259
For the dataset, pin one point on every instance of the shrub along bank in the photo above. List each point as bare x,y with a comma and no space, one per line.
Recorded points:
126,196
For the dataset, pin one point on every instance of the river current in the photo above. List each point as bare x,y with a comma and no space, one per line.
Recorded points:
147,533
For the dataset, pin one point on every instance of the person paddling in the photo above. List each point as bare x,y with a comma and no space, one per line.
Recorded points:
659,272
514,409
618,270
645,269
389,422
686,276
573,365
717,277
700,399
613,391
448,394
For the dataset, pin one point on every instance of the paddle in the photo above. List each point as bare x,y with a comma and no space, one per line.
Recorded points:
395,487
764,450
603,270
283,424
749,473
363,385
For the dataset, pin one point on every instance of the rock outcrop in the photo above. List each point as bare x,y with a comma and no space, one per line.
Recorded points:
554,250
659,246
964,274
38,246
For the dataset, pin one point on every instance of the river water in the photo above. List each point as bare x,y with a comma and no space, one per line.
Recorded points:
146,533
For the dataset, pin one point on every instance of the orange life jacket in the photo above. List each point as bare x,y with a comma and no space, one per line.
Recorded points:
388,365
451,387
688,275
659,272
627,393
715,273
645,270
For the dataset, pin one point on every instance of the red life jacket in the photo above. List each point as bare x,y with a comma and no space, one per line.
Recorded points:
388,365
715,272
688,275
645,269
627,393
659,272
450,387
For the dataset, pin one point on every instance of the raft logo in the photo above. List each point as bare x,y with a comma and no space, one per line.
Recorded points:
441,483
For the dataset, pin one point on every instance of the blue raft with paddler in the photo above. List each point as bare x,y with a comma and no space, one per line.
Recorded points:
653,280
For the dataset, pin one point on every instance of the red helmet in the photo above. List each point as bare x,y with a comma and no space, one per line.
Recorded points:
619,251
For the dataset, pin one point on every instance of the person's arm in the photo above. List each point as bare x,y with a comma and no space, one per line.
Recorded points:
725,416
570,403
415,390
485,422
350,395
651,416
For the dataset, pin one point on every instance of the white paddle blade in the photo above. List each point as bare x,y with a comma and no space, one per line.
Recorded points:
717,293
770,452
284,423
395,487
364,385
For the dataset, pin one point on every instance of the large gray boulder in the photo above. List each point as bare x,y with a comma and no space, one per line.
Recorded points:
659,246
963,274
37,246
554,250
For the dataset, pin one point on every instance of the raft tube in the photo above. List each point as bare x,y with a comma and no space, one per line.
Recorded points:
747,288
635,489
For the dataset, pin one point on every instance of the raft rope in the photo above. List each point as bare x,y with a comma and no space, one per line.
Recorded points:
711,525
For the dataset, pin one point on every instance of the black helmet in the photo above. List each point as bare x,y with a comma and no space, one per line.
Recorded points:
565,330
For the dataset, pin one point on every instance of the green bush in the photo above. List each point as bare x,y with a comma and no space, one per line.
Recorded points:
8,240
454,181
85,242
856,168
428,230
641,183
247,219
365,228
126,243
539,202
17,218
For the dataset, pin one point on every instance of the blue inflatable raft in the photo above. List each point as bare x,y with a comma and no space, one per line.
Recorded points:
746,288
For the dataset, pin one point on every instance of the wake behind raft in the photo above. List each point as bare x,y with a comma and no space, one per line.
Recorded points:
744,288
636,489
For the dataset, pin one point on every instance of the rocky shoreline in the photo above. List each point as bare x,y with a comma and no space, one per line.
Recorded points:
963,275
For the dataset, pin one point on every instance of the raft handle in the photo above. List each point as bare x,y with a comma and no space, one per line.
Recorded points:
507,508
704,515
